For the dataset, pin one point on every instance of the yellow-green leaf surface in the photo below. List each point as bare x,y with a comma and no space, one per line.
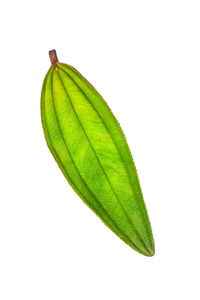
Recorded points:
91,150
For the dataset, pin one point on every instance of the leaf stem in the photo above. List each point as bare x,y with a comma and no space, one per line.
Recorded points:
53,56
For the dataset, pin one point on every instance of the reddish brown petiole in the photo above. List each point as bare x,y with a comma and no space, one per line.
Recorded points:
53,56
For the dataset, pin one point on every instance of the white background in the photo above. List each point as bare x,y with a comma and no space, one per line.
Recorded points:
144,58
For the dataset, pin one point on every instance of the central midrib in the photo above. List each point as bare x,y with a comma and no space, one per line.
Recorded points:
70,101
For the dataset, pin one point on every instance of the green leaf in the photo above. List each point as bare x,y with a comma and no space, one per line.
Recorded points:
91,150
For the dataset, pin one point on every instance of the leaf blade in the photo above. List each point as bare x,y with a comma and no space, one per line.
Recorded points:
75,114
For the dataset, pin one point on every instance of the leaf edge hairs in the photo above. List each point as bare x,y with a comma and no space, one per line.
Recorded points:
76,122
